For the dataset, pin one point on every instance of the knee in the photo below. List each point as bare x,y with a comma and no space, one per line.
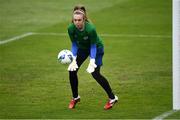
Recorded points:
95,74
72,73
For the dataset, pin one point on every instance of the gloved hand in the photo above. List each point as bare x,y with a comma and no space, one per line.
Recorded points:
91,66
73,66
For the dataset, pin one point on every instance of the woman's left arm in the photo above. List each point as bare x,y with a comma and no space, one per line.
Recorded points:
93,51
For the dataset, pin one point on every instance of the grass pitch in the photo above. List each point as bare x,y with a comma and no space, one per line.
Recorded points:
34,85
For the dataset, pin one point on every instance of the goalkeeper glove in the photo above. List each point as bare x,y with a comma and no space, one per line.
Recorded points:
73,66
91,66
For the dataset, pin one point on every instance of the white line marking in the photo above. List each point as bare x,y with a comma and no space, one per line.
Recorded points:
16,38
55,34
65,34
165,115
133,35
113,35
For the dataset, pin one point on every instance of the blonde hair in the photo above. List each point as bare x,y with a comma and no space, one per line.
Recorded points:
80,9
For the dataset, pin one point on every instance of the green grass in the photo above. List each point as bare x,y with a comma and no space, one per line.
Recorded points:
175,115
34,85
20,16
36,90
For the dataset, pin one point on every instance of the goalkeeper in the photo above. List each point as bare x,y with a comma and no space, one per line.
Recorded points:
86,42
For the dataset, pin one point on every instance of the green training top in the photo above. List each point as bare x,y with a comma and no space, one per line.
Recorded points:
84,38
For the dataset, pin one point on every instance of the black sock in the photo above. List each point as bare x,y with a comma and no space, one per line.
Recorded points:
103,82
74,83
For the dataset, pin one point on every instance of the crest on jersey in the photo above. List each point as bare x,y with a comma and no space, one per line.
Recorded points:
85,37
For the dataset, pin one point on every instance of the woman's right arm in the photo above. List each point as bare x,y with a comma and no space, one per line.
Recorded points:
74,47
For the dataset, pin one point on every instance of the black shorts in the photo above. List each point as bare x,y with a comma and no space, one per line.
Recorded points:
83,54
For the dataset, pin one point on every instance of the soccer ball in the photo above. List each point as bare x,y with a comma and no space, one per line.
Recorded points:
65,56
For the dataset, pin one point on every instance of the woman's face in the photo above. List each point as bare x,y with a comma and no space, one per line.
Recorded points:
78,21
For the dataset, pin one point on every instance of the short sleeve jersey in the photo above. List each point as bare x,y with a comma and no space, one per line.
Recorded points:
84,38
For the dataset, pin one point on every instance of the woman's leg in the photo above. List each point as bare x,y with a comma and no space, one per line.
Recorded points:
74,83
73,77
103,82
